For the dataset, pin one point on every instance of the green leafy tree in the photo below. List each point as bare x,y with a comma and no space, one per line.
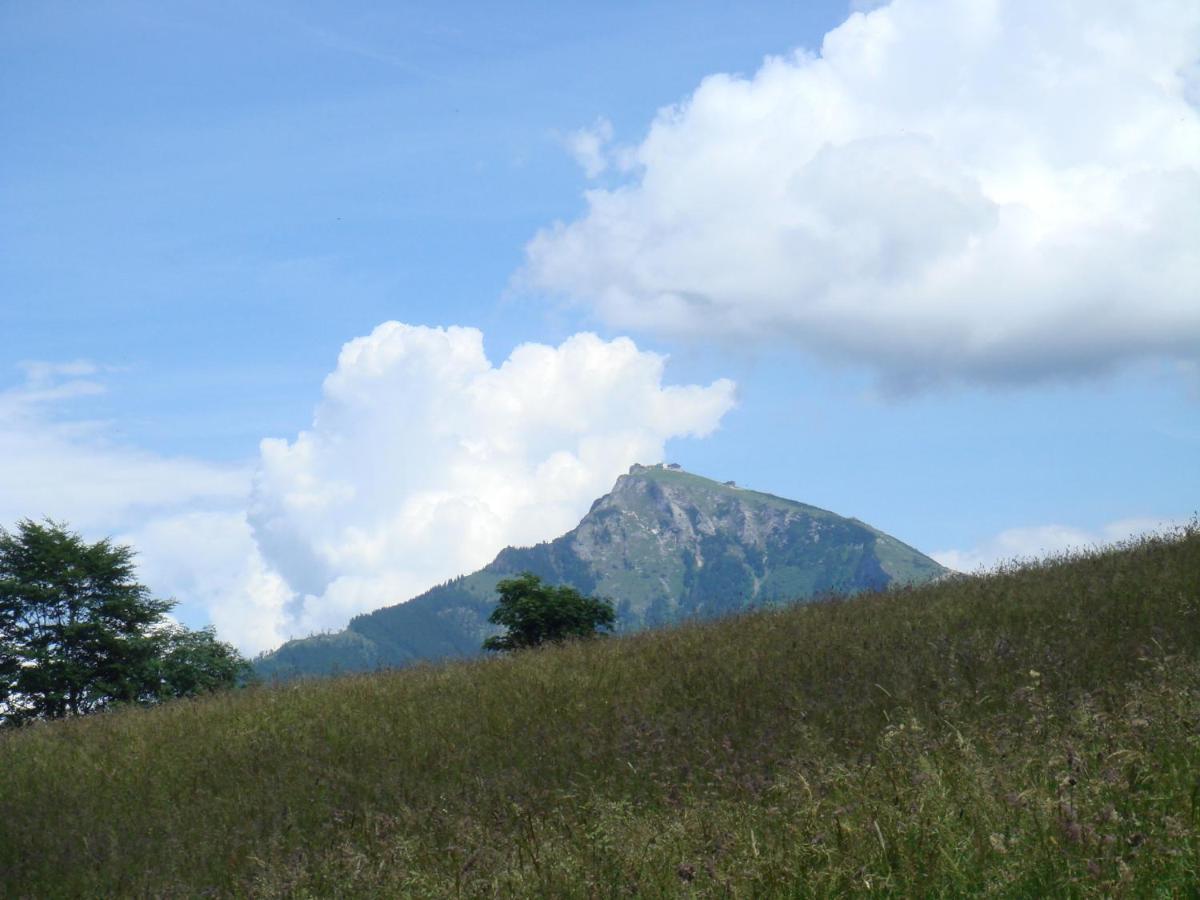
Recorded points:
195,662
535,613
78,632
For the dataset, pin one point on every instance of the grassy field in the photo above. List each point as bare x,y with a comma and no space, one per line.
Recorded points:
1028,733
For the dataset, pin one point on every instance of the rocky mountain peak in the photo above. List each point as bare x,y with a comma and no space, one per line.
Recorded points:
664,544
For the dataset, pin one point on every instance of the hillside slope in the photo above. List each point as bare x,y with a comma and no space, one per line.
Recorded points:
1026,734
664,544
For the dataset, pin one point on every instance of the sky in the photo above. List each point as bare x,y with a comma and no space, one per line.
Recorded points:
318,305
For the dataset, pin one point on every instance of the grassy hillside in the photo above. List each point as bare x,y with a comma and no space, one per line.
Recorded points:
1028,733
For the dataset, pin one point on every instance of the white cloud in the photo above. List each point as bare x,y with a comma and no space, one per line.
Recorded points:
587,145
209,562
74,470
1039,541
993,191
184,517
44,372
424,460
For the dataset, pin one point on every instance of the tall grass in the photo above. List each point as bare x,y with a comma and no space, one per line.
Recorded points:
1030,732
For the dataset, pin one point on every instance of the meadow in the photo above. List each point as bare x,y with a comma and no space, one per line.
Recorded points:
1029,732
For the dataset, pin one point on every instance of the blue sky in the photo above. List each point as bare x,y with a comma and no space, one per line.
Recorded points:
968,316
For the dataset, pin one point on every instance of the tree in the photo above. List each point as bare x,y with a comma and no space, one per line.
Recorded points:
78,632
195,662
535,613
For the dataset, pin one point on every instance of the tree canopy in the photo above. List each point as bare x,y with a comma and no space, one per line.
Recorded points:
78,632
535,613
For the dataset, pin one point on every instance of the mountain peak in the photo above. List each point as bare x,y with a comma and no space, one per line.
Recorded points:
681,482
664,544
665,470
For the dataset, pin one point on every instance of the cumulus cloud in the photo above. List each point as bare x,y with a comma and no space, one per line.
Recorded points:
589,147
996,192
1039,541
209,562
424,459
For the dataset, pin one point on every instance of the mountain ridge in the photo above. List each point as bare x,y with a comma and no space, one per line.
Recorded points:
664,544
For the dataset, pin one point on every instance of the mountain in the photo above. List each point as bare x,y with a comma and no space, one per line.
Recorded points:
663,545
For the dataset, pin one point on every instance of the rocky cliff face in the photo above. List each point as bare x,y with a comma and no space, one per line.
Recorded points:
664,545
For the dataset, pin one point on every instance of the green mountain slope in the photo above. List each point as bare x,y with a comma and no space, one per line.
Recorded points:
664,545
